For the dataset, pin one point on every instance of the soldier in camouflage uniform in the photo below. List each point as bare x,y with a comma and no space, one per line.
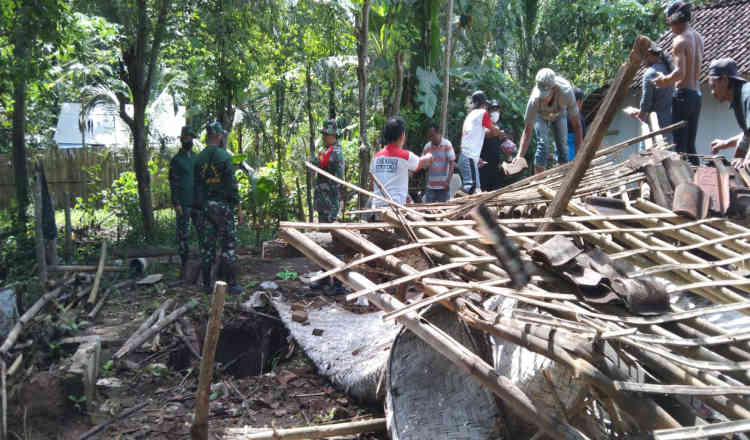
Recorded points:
216,192
327,192
331,159
181,185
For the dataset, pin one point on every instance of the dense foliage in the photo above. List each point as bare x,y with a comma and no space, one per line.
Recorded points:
273,70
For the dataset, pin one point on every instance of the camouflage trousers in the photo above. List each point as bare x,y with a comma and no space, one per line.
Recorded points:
327,202
220,223
183,230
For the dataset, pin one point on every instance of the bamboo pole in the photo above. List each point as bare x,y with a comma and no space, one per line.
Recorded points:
455,352
148,322
25,318
105,295
154,329
85,268
39,230
99,272
68,230
598,129
310,432
199,430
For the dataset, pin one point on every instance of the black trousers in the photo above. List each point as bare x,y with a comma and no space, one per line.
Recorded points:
686,106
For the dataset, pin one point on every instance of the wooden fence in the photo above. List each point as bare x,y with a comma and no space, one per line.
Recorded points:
76,171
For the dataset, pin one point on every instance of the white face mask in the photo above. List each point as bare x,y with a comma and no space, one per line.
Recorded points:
495,116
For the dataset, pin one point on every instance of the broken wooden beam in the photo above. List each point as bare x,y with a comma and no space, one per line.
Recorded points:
598,128
309,432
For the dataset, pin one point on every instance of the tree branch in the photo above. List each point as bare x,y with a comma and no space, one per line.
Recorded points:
159,30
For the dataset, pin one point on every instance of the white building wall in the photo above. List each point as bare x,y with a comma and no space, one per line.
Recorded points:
716,121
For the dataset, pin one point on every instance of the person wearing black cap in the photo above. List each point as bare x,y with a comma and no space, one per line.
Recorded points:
217,194
476,126
728,86
654,99
552,100
687,51
181,187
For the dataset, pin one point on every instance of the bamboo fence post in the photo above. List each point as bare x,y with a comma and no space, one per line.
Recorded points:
68,248
455,352
99,272
39,230
199,430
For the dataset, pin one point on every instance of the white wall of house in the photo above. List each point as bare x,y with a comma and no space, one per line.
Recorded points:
716,121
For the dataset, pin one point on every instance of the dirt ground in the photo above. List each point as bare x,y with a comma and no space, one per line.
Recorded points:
280,386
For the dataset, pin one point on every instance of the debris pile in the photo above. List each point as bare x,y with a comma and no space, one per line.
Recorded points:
645,305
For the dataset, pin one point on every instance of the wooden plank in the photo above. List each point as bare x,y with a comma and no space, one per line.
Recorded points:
605,115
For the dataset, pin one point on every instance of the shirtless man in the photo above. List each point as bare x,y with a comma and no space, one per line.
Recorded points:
687,51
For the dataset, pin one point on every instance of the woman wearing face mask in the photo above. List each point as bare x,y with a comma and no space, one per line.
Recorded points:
489,174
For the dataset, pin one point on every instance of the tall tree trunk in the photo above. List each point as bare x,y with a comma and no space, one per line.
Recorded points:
447,70
20,167
311,121
239,139
331,92
140,163
280,90
399,87
364,149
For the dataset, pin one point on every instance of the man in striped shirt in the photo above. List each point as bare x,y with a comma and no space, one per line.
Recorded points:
441,158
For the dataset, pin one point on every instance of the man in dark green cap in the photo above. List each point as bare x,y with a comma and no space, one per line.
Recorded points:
331,159
216,193
181,185
328,192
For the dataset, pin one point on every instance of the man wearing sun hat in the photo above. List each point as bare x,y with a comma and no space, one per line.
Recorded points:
216,192
330,159
687,51
181,181
728,86
552,100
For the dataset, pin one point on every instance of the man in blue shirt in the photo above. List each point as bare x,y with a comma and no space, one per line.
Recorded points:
655,99
728,86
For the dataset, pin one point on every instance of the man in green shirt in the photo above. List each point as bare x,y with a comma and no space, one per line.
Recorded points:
216,193
181,185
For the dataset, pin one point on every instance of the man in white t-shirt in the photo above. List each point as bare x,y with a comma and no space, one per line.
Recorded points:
392,164
476,126
551,102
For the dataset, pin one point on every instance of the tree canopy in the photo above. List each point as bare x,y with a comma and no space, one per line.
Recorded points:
273,70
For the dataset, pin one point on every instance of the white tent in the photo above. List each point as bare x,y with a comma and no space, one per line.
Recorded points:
104,127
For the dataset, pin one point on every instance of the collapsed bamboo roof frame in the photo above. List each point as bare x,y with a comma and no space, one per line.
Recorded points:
681,353
687,354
